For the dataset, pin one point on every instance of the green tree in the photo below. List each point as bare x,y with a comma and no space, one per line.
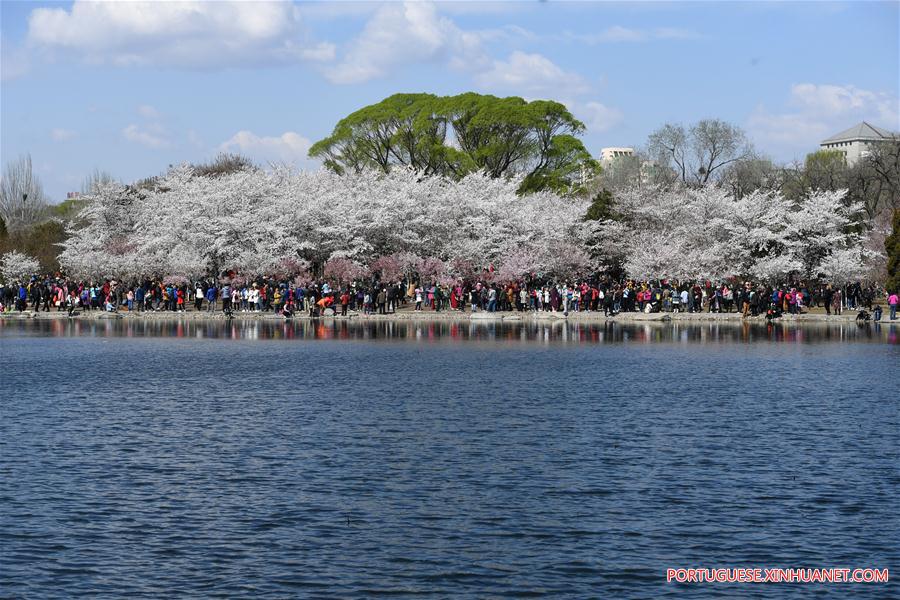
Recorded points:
457,135
40,241
874,180
601,208
67,209
825,170
892,245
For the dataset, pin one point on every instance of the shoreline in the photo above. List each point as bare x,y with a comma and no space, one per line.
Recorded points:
411,315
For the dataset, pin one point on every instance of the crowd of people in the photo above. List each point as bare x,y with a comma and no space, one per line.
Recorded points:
604,295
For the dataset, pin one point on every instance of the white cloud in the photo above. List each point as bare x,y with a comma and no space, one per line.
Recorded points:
318,53
152,137
348,9
535,76
179,34
508,33
675,33
148,112
413,32
288,147
789,130
617,34
531,74
481,7
62,135
598,117
610,35
406,33
836,100
816,111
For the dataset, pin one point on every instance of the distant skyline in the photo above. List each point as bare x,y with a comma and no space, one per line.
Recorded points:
132,87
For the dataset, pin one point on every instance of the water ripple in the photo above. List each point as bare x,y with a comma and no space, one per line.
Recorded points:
153,466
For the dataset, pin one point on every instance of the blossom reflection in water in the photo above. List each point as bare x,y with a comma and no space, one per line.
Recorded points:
425,331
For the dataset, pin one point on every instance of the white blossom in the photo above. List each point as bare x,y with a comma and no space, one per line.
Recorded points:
704,233
255,222
16,266
251,221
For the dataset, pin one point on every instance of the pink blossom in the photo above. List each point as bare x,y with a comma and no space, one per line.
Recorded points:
388,266
431,267
343,270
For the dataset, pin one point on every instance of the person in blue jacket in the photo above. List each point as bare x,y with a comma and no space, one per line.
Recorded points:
226,299
211,293
139,295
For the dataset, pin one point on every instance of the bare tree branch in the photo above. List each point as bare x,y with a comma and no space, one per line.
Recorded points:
22,200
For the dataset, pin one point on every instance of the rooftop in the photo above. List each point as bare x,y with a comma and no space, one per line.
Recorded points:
862,131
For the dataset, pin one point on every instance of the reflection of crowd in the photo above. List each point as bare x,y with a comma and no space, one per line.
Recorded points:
527,330
374,297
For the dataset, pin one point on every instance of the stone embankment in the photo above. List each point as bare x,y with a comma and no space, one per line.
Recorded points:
407,314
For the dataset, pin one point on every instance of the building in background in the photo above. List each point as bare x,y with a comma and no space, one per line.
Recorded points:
622,166
855,142
607,155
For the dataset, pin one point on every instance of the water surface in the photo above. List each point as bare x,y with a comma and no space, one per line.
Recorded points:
444,459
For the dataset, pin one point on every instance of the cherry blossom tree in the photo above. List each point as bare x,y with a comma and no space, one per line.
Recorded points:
289,267
844,265
431,268
387,267
517,265
16,266
402,224
819,228
705,233
343,270
252,221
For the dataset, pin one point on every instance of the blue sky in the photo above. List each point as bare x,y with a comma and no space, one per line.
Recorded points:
131,87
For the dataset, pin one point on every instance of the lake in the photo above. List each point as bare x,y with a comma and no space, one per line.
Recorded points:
334,459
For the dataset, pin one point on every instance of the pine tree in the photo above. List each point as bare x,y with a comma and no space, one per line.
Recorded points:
892,245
